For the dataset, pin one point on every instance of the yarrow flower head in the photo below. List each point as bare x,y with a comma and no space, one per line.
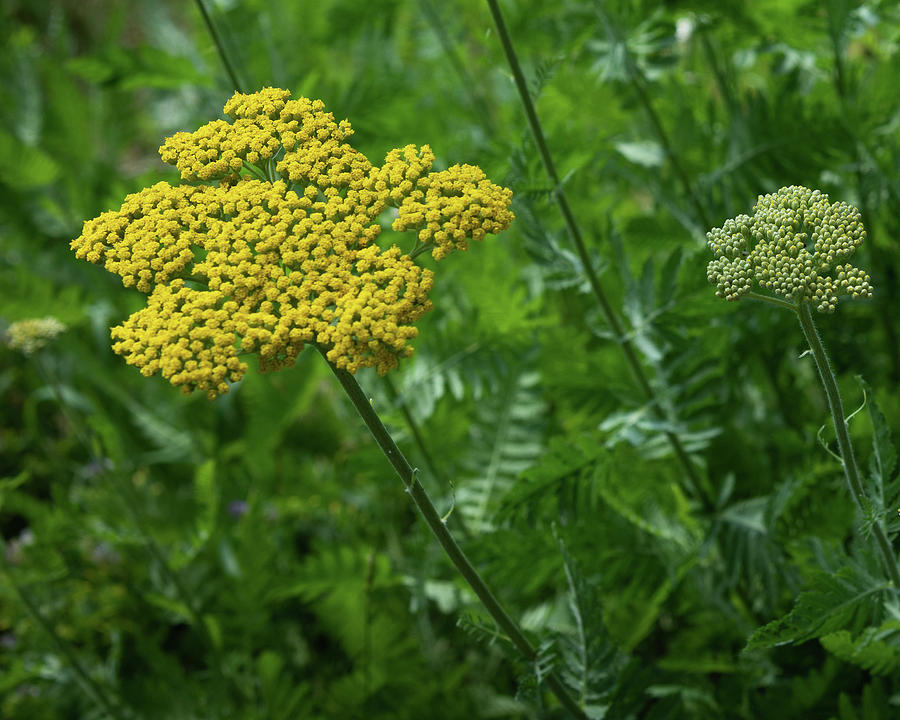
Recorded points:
796,244
268,244
29,336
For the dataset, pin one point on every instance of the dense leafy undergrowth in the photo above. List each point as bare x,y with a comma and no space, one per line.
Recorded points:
171,557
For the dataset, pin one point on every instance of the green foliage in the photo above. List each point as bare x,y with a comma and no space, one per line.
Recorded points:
505,439
883,488
875,650
846,597
255,557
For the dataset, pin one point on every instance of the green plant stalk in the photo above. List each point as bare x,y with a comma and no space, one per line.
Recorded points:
439,529
639,83
90,685
220,48
609,314
772,300
127,495
398,400
851,471
860,157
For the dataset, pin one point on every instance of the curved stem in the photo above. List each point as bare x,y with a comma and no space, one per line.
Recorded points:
256,172
429,513
851,471
773,300
606,308
416,251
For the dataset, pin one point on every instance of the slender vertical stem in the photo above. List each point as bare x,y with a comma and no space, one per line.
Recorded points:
712,61
639,83
851,471
91,686
426,508
220,48
127,495
834,33
470,86
850,111
606,308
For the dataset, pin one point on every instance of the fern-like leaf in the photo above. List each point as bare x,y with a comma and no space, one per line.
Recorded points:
883,483
681,378
835,601
591,662
506,439
752,554
876,649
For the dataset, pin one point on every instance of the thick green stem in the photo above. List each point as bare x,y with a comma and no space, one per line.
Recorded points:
851,471
430,514
624,342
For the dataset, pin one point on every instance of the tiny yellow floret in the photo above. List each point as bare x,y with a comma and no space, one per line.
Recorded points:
269,244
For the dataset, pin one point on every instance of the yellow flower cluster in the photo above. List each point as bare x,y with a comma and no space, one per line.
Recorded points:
453,206
273,246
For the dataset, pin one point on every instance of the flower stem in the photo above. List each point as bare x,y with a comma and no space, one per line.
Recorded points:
696,486
851,471
429,513
416,432
91,686
639,84
220,48
773,300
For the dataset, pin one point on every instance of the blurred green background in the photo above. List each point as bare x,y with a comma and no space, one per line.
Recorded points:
255,557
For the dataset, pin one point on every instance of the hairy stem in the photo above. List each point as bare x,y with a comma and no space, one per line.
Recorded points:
637,370
429,513
851,471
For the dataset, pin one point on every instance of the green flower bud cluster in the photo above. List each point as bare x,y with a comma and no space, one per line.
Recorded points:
795,244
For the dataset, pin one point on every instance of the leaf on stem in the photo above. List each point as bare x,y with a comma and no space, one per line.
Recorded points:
835,601
883,487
